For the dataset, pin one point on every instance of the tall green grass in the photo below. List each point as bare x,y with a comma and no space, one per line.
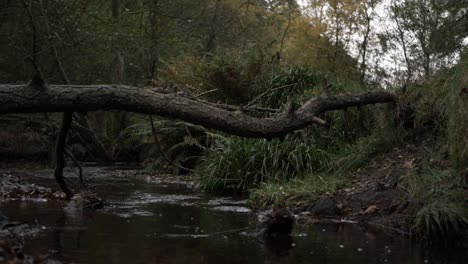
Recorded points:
241,164
357,154
333,175
441,219
443,213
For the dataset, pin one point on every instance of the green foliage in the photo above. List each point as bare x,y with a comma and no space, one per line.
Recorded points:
241,164
233,77
441,219
441,104
355,155
439,107
430,182
292,84
182,143
443,213
333,174
233,163
296,192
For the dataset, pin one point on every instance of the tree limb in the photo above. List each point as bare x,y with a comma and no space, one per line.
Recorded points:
70,98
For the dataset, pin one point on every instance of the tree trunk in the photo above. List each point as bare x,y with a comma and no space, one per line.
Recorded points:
83,98
60,153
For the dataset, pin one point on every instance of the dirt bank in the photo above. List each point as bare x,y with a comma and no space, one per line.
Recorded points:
382,193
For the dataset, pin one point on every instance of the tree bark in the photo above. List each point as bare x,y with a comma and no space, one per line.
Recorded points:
82,98
67,118
60,153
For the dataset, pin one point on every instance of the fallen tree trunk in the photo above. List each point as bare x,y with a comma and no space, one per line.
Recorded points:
29,98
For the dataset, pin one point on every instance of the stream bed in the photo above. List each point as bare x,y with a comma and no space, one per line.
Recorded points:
154,221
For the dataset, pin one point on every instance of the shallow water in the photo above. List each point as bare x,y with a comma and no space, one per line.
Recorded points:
171,223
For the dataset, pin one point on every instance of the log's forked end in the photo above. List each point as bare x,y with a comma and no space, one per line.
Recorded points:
319,121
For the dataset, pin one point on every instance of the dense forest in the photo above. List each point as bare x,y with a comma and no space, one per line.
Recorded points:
326,110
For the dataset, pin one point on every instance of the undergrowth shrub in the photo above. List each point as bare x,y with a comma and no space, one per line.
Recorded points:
439,108
440,105
233,163
181,143
240,164
341,160
357,154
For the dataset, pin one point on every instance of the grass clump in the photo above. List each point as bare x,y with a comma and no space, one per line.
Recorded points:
443,213
241,164
441,219
332,175
353,156
295,193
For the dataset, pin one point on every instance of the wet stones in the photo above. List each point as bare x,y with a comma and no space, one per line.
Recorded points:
5,222
11,254
326,206
11,187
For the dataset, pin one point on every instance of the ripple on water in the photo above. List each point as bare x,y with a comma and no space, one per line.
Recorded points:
226,201
185,235
135,213
235,209
148,198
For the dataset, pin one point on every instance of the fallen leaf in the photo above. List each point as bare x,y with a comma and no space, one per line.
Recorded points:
371,209
410,164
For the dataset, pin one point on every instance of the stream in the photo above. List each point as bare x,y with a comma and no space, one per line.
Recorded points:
149,220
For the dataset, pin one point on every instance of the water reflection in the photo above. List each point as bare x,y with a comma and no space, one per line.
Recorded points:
279,247
148,223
